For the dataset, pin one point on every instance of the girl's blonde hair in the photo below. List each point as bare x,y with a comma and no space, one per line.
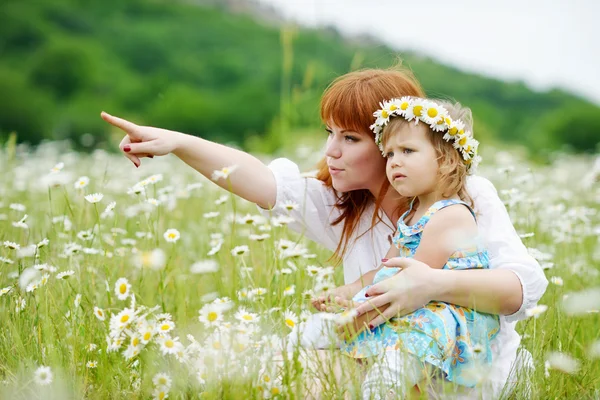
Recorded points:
452,170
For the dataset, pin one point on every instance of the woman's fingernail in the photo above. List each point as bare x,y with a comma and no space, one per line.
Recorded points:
366,294
370,327
384,259
151,156
126,148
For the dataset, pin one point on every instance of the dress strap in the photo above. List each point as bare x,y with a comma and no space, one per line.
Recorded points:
420,224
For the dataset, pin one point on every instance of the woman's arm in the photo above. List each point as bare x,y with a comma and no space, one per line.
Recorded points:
252,180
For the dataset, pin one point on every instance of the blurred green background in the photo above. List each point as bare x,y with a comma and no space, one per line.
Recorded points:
227,76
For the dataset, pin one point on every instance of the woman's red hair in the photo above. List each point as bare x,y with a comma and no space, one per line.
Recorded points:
349,102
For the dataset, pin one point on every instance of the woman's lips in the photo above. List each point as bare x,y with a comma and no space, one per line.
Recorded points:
335,171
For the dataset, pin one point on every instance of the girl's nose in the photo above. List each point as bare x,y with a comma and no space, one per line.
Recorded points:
332,148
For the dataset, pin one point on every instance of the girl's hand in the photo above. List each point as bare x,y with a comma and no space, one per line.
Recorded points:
335,299
407,291
143,141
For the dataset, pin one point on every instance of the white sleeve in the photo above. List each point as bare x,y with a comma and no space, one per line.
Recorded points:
504,245
315,203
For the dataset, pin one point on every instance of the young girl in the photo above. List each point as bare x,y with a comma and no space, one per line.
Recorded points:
429,155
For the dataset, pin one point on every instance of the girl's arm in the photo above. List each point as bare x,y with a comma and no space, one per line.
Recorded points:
252,180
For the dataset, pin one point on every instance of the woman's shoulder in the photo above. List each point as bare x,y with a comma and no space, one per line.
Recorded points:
477,184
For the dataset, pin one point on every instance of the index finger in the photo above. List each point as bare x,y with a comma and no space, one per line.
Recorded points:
369,305
121,123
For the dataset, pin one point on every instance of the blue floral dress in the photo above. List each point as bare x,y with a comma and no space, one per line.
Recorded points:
452,338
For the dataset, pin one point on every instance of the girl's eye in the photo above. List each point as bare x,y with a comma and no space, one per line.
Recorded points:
407,151
389,154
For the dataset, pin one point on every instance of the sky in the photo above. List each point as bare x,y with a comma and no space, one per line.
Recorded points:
543,43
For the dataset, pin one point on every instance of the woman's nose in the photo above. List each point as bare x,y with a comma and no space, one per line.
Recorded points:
332,148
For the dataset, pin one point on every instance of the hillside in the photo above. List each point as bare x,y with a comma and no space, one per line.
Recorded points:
202,69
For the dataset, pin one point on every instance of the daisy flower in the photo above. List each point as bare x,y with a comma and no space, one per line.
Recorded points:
122,288
122,320
91,364
160,394
57,168
211,315
169,345
91,347
172,235
155,259
17,207
556,280
536,311
221,200
43,243
239,250
43,376
290,319
110,207
99,313
290,290
204,267
223,173
259,238
165,326
244,316
154,178
212,214
11,245
563,362
77,300
81,182
5,290
162,380
289,205
94,197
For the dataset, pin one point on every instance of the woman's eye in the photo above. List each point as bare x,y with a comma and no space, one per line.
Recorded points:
329,132
350,138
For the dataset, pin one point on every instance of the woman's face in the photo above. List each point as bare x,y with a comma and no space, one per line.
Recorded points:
354,160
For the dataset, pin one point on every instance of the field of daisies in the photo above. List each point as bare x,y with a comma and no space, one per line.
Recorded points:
119,282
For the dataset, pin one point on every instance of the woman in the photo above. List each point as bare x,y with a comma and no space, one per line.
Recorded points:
349,208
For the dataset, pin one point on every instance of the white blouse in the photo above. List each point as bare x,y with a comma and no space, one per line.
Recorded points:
316,211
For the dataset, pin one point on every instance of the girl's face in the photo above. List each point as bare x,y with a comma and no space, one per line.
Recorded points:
354,160
412,166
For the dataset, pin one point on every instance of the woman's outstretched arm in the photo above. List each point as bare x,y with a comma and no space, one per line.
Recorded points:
252,180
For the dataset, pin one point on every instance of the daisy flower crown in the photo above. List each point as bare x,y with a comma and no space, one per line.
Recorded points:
437,117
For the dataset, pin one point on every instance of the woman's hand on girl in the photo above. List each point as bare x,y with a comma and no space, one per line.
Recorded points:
410,289
143,141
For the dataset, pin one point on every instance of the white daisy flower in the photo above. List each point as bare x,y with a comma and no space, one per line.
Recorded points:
43,376
94,197
290,290
162,380
110,207
245,316
81,182
5,290
169,345
57,168
153,201
290,319
563,362
154,179
289,205
146,331
172,235
43,243
432,113
259,238
212,214
223,173
204,267
222,199
165,326
11,245
160,394
557,280
6,260
239,250
91,347
211,315
17,207
122,320
155,259
77,300
91,364
65,274
122,288
99,313
536,311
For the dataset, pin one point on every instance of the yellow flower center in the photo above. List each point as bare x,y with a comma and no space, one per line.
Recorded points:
216,345
417,110
147,336
384,114
266,378
290,323
247,317
161,395
452,131
100,313
135,341
275,391
165,327
172,236
212,316
162,380
124,318
404,106
432,112
169,343
123,288
462,141
393,107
